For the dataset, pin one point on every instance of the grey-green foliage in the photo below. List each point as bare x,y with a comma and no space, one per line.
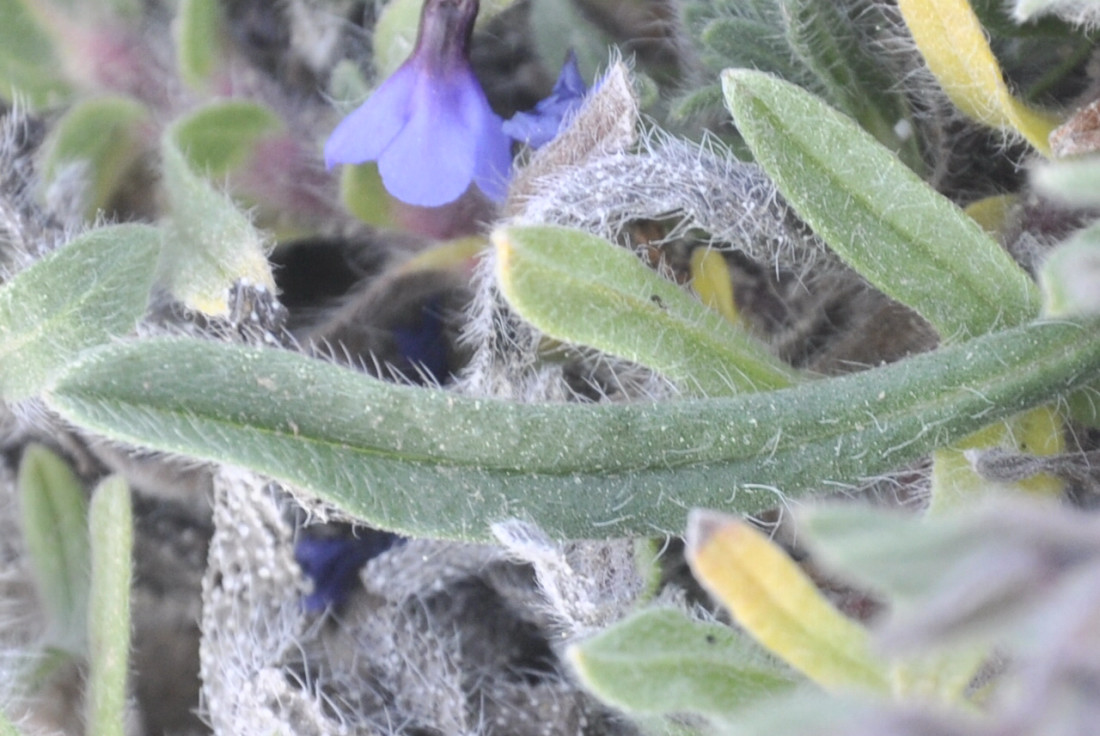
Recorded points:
55,531
661,662
841,51
888,225
551,275
429,463
92,289
111,543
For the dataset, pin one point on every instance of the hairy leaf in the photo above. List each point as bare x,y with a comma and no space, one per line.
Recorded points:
430,463
111,523
662,662
55,529
580,288
955,48
772,598
208,244
898,233
92,289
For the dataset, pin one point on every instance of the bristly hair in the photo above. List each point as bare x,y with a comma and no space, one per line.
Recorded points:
29,230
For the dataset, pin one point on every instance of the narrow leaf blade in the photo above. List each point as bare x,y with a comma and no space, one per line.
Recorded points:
577,287
899,234
208,244
430,463
772,598
111,524
953,44
55,529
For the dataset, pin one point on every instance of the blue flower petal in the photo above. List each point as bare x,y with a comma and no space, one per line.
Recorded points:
333,564
570,83
539,126
365,133
431,161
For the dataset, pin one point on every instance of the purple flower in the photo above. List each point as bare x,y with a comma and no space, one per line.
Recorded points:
538,127
333,563
429,126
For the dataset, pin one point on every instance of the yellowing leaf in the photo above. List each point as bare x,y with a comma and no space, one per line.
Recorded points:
774,601
954,46
955,482
710,277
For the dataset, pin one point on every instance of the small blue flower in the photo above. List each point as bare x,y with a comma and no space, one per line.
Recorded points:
429,126
538,127
333,563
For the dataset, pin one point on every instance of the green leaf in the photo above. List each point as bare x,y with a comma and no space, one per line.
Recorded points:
111,523
662,662
752,43
559,26
395,35
199,33
208,244
899,234
364,195
55,529
94,288
222,135
104,133
580,288
429,463
30,67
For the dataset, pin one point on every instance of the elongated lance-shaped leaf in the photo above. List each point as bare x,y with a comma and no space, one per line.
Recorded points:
899,234
208,244
583,289
111,523
662,662
200,41
430,463
773,600
92,289
55,529
951,39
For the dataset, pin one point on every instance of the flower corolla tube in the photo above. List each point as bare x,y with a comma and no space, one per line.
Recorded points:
539,126
429,126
